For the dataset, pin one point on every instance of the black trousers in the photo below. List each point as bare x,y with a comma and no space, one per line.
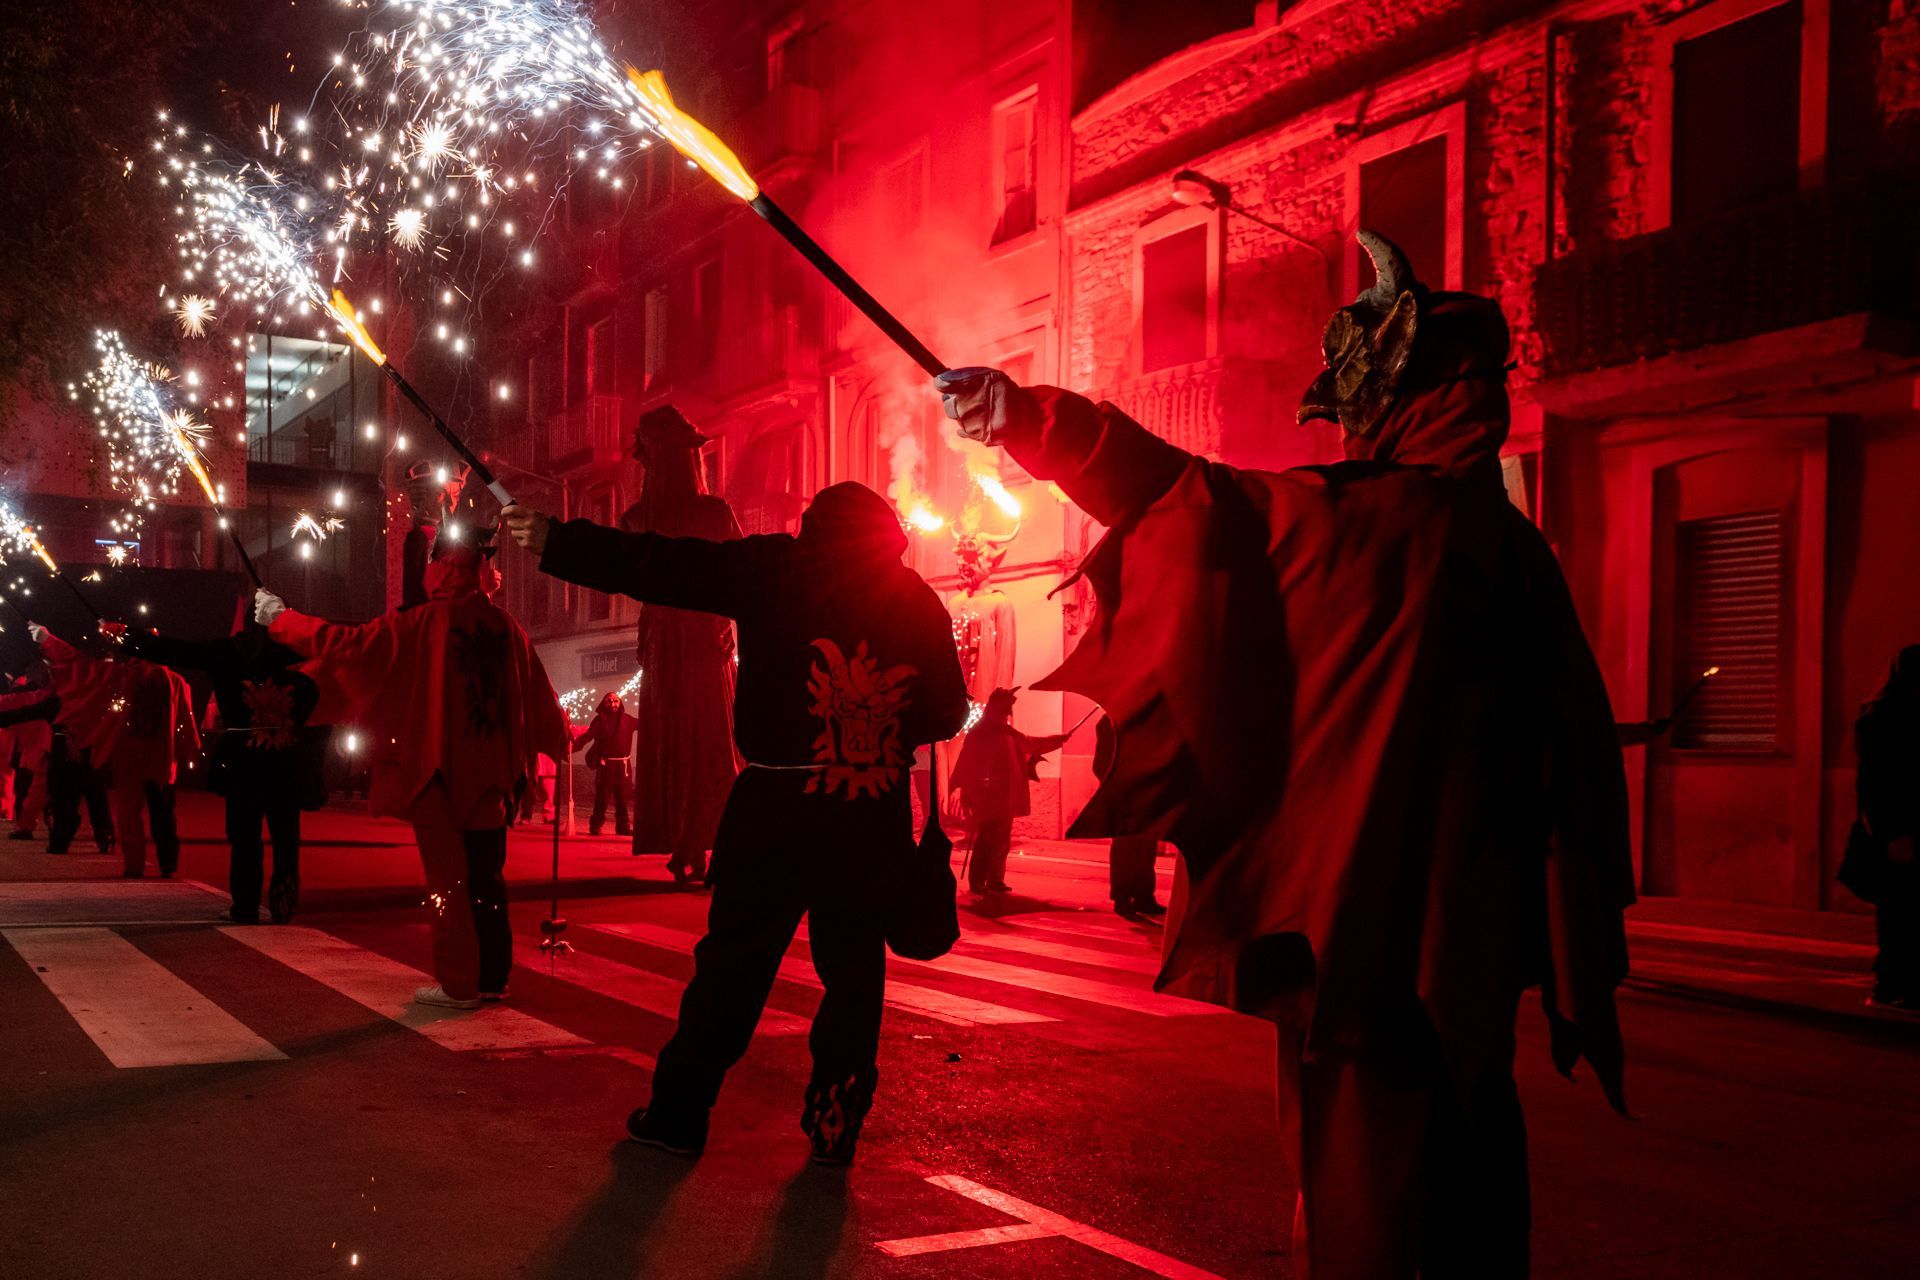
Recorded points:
247,853
756,909
71,779
1130,868
987,863
487,891
610,782
1896,922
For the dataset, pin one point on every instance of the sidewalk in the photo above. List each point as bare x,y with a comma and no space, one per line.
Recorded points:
1810,965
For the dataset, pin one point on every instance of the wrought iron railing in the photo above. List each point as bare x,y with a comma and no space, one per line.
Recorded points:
1832,251
586,431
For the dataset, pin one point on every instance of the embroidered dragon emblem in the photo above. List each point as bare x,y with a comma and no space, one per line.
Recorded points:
859,708
270,708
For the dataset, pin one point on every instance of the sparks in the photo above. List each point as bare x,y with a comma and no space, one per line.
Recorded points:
997,494
317,528
193,312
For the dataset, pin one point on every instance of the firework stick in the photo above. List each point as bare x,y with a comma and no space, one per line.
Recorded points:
1692,689
468,456
233,531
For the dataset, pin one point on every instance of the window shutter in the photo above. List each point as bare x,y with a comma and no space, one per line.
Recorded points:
1732,576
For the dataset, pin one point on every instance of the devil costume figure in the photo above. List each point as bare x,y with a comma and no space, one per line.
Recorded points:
455,706
1358,700
685,704
609,743
266,761
994,780
846,666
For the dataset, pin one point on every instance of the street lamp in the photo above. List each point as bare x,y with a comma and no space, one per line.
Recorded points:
1193,188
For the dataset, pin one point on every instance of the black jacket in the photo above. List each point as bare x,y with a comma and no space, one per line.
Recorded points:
264,701
847,661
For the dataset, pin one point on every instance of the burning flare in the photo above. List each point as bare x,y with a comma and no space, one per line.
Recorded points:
689,137
345,315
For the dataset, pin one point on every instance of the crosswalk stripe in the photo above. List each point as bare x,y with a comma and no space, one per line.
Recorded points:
136,1010
1009,941
646,990
942,1006
386,986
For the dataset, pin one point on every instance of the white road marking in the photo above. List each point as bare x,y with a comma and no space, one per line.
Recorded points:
943,1006
646,990
134,1008
1149,965
1035,1224
1140,999
386,986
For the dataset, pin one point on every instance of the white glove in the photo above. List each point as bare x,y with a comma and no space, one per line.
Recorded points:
986,403
267,606
38,632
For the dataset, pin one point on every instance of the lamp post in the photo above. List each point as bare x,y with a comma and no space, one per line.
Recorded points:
1191,188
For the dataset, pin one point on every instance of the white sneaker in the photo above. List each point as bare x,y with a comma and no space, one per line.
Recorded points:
437,995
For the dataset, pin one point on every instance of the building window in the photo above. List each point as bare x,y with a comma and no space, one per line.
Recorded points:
706,308
768,483
1175,285
1408,183
601,369
655,346
1739,107
1016,162
1731,576
1403,196
786,54
1736,114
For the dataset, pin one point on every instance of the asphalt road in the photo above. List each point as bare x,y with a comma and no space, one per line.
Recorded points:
181,1100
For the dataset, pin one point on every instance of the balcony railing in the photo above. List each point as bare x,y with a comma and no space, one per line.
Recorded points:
776,350
1817,255
1225,406
585,433
781,130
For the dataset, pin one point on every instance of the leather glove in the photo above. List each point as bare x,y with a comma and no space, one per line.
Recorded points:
267,606
988,405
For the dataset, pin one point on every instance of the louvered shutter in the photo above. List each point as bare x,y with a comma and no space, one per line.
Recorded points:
1732,580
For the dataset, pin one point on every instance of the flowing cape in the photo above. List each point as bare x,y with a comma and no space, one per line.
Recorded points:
1358,699
452,687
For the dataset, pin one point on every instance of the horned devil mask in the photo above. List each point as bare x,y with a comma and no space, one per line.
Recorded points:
1367,345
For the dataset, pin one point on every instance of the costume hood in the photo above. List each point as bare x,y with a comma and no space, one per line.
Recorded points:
459,571
854,520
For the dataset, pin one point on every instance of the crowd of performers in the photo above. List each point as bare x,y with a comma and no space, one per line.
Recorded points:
1355,697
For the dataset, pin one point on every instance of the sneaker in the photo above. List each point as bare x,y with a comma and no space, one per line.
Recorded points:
682,1134
436,995
834,1115
1000,886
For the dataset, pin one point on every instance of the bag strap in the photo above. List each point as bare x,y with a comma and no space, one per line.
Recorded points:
932,827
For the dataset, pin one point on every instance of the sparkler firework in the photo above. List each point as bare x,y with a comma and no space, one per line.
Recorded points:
474,75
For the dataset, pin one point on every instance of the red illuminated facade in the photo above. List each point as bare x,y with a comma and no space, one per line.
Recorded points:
1697,217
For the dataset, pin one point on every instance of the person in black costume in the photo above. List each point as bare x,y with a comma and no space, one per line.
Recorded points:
1887,735
267,762
847,665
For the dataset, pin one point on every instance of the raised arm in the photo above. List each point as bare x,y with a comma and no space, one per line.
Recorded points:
682,573
1111,466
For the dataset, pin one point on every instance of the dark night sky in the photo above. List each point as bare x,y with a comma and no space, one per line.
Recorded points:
265,51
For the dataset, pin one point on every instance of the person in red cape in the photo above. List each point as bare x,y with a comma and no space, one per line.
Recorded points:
132,722
608,739
1358,700
83,683
455,706
24,746
685,763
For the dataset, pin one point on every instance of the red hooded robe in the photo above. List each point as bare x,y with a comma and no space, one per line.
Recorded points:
450,689
1357,697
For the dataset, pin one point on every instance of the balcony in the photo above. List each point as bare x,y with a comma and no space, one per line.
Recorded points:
1225,407
775,357
585,434
779,136
1814,257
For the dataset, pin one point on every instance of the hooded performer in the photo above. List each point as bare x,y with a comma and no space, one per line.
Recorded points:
685,761
455,706
847,665
1358,700
608,739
